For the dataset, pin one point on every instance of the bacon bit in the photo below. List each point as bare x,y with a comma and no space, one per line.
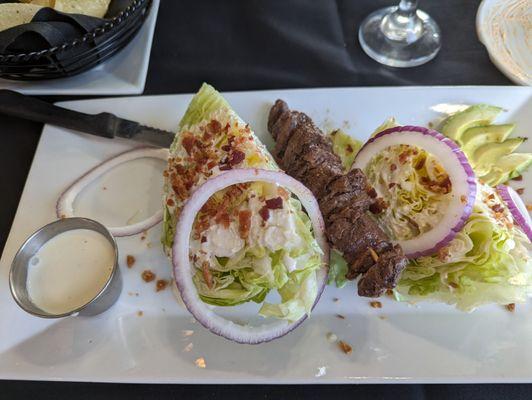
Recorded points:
104,188
336,299
224,219
529,207
375,304
510,307
420,163
497,208
226,147
373,254
346,348
264,213
275,203
393,167
520,190
214,127
285,194
453,285
340,316
225,167
244,223
463,199
140,313
188,142
237,157
391,185
203,239
161,284
148,276
404,156
130,261
518,178
491,196
371,192
349,149
443,254
378,206
165,173
170,202
211,165
389,292
207,274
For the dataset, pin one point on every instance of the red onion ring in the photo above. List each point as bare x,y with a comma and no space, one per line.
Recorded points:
517,208
454,161
65,203
183,270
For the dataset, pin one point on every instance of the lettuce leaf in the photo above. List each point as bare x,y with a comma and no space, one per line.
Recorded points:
487,262
337,270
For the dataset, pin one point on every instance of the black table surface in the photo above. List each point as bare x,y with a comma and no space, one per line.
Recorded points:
266,44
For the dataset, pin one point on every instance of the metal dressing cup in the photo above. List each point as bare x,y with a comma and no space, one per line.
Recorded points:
18,274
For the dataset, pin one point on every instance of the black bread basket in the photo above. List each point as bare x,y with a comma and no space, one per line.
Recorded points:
79,54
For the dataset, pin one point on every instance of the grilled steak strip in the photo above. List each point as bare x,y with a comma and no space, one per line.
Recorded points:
305,153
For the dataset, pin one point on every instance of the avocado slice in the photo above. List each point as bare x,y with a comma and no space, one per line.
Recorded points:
507,167
479,114
475,137
489,154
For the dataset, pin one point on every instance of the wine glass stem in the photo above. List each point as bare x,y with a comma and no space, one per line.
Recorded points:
407,7
403,24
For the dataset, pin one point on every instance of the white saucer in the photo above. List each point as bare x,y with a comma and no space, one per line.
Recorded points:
125,73
502,27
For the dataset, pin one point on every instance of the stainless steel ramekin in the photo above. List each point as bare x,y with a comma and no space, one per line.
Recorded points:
19,269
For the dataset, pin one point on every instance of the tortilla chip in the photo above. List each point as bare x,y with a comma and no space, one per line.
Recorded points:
94,8
13,14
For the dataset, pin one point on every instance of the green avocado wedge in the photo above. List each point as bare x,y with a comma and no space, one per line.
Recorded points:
488,155
479,114
475,137
506,168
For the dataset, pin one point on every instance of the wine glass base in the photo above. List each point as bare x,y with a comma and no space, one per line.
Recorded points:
396,53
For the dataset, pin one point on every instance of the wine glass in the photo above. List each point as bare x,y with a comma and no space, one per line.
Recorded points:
400,36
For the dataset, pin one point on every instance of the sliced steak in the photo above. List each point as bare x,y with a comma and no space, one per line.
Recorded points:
280,107
305,153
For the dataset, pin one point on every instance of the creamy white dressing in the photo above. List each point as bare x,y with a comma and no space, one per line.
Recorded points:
69,270
278,232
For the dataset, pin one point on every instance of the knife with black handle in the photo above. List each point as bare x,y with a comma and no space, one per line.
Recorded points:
104,124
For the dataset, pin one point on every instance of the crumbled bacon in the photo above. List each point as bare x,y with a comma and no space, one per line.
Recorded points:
518,178
275,203
393,167
207,274
170,202
188,142
520,190
345,347
223,219
244,223
391,185
497,208
214,127
161,284
378,206
148,276
372,193
237,157
226,147
375,304
130,261
404,156
203,239
285,194
264,213
510,307
420,163
349,149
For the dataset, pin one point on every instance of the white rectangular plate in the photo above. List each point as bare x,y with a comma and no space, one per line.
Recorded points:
398,343
124,73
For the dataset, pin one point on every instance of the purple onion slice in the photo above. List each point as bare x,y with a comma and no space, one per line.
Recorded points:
183,271
65,203
517,208
456,165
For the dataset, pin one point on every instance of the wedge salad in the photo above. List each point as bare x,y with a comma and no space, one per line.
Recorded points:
233,226
468,242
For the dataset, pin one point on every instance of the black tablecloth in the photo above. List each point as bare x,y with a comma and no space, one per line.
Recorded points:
266,44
